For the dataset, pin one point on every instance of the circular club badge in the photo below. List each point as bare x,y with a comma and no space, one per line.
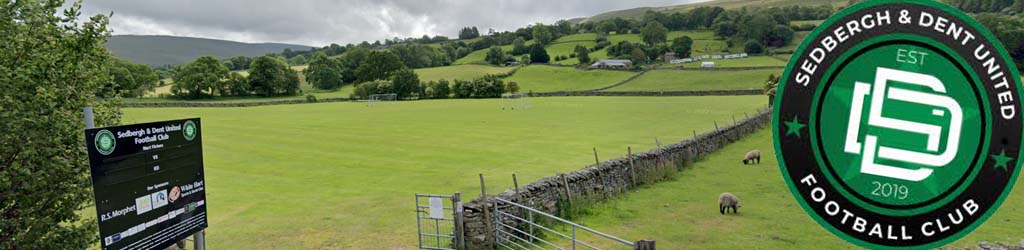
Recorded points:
898,124
105,142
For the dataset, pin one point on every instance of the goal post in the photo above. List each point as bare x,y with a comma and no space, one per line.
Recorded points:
515,101
377,98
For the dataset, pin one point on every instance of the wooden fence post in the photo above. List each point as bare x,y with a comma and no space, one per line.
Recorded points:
515,182
568,192
632,168
596,161
488,235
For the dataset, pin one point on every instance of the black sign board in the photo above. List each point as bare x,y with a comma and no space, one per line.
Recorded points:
149,183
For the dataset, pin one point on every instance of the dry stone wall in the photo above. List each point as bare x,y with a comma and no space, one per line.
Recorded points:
603,180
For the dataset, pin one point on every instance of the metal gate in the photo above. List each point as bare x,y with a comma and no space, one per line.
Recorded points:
517,227
438,221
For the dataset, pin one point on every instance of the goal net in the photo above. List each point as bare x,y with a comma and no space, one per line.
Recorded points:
515,102
378,98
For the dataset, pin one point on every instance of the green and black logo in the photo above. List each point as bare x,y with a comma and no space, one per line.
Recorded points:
898,124
189,130
105,142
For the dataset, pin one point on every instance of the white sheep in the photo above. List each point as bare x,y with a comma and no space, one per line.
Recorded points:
753,155
726,201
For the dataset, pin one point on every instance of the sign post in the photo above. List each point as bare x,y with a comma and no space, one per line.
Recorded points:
149,183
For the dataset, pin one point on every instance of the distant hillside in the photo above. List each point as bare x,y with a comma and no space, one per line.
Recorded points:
728,4
163,50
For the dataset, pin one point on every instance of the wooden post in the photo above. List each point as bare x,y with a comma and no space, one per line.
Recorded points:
716,125
596,161
632,168
460,230
695,135
568,192
487,218
657,142
734,120
515,182
745,115
644,245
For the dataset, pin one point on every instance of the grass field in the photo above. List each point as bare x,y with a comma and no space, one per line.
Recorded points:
683,213
669,80
798,38
802,22
753,61
704,44
540,78
343,175
462,72
480,56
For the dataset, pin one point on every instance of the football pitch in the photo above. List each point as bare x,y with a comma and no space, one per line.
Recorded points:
343,175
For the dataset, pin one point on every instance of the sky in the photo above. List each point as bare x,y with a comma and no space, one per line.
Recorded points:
322,22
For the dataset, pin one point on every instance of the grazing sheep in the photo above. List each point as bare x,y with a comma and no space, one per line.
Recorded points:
726,201
752,156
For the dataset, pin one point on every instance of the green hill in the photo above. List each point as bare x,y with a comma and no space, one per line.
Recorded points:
163,50
727,4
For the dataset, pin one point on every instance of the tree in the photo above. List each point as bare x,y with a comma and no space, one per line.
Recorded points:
378,66
405,82
52,67
607,26
495,56
519,47
132,79
780,35
582,54
323,72
638,56
753,47
469,33
235,85
199,78
542,34
682,46
512,87
297,60
440,89
1010,31
270,77
538,54
654,33
240,63
725,29
462,88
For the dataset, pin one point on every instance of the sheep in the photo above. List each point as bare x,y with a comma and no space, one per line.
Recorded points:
726,201
753,155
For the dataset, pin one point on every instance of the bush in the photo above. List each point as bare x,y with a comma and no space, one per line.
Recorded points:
366,89
753,47
310,98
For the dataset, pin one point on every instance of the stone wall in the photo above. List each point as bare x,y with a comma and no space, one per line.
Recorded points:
652,93
607,179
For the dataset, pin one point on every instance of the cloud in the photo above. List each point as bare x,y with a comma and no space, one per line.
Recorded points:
322,22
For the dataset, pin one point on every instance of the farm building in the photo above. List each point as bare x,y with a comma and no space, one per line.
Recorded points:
670,56
612,64
707,65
